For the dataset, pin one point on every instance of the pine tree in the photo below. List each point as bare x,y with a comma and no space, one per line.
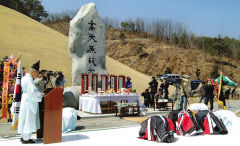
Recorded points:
168,70
31,8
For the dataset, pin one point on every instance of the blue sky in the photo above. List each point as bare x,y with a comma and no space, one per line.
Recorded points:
202,17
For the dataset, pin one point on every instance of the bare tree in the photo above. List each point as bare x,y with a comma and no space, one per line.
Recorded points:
110,22
139,25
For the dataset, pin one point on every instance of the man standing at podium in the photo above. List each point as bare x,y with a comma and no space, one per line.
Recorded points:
29,113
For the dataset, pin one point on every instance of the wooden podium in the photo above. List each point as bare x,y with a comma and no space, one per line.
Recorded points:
50,110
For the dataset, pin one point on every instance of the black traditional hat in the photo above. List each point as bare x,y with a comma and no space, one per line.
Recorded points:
36,66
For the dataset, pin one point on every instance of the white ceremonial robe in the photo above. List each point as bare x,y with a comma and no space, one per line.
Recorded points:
69,119
29,114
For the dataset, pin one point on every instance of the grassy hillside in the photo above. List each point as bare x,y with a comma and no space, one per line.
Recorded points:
150,56
21,34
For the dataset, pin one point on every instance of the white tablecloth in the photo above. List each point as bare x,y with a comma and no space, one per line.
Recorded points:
91,103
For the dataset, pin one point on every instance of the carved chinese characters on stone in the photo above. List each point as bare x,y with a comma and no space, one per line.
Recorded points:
87,43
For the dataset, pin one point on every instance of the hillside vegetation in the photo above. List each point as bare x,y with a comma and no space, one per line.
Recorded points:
150,55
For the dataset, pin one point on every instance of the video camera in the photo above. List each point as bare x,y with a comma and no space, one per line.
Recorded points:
47,77
179,83
51,73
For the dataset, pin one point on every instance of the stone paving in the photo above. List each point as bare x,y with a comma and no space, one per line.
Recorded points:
232,105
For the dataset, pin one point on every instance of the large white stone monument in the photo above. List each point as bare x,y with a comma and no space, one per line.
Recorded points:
87,43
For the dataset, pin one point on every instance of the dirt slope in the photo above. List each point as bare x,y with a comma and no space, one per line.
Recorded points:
150,56
35,41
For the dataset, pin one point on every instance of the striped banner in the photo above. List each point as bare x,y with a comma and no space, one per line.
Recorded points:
17,97
5,90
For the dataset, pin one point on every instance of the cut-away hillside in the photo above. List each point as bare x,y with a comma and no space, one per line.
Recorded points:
20,34
151,56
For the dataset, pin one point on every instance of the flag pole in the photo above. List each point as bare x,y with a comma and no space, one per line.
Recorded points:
17,97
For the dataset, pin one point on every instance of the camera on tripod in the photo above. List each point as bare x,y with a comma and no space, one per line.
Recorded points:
179,83
47,77
51,73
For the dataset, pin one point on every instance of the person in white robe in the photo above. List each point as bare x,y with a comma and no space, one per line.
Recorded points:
29,113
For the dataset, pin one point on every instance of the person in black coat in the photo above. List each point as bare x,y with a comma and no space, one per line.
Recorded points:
209,88
147,97
153,85
164,87
233,92
227,93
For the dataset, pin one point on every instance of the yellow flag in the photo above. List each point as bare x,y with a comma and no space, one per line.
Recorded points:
219,93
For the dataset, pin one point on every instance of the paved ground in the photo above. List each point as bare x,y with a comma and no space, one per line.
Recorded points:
232,105
107,122
83,124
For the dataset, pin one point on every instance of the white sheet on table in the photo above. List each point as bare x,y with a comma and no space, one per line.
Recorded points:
91,103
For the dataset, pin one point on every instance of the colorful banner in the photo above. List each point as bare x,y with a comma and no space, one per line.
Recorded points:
17,97
220,85
5,90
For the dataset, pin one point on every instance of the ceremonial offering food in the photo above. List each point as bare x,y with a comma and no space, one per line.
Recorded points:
163,100
106,92
92,92
111,91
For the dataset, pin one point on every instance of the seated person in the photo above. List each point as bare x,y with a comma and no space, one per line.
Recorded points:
128,83
158,95
164,87
147,97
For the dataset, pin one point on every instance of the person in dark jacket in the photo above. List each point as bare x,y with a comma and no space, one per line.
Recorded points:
164,87
227,93
147,97
202,93
204,119
153,85
233,92
157,128
173,115
209,88
222,97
